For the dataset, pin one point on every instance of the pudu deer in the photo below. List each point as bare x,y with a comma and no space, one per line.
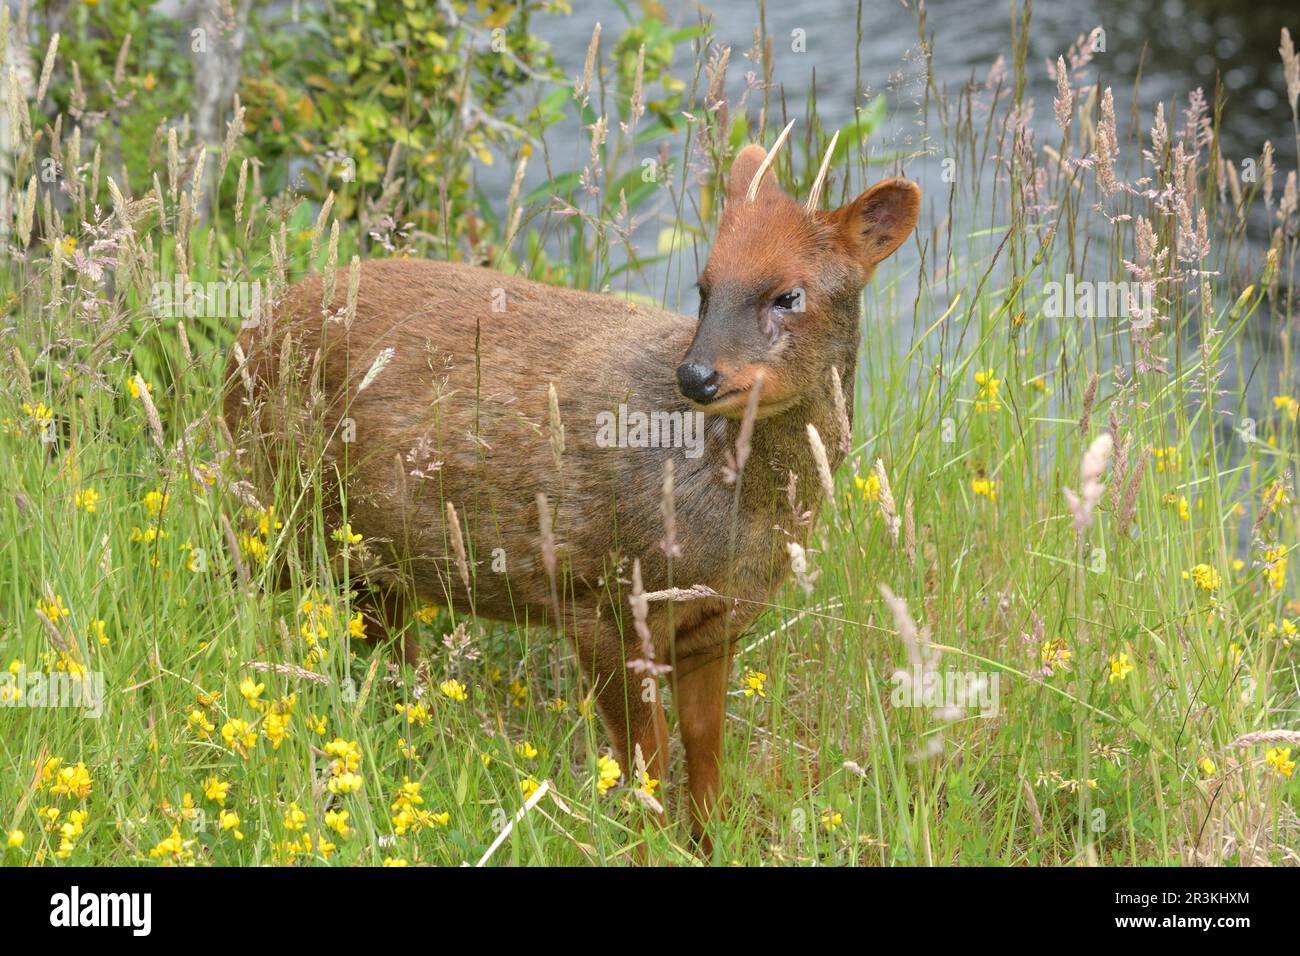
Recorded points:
459,425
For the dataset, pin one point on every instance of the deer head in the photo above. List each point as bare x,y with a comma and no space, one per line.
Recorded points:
781,289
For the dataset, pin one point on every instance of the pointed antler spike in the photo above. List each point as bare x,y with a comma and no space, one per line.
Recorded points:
752,193
811,205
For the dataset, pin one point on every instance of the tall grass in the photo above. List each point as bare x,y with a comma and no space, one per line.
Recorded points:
1137,658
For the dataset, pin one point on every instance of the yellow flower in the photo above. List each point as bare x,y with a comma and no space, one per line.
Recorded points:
337,820
1279,759
414,713
294,819
408,815
70,831
986,391
200,724
1179,504
345,783
53,608
525,750
1207,767
1286,633
345,535
394,861
454,689
1204,576
1168,458
1275,559
276,727
251,691
215,789
255,548
98,630
1119,667
753,682
72,782
1287,404
427,614
86,500
357,626
529,786
346,754
134,389
238,737
230,821
16,838
1276,495
1055,655
609,772
172,848
343,768
518,693
156,501
868,486
831,819
266,521
986,487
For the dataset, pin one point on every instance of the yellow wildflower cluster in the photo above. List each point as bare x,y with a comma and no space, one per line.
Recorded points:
1054,656
71,782
868,487
408,815
1286,632
343,768
173,849
986,391
1168,458
256,544
1278,759
1204,576
607,773
1275,559
1120,667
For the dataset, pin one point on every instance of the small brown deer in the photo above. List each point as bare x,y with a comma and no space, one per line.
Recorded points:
462,414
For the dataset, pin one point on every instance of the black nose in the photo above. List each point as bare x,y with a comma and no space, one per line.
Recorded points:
697,381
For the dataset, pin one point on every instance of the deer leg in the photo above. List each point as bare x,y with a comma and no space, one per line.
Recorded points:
700,694
385,605
631,709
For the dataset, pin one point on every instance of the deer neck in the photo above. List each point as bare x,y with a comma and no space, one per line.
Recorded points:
781,444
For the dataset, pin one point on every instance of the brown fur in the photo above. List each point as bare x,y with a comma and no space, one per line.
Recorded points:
474,383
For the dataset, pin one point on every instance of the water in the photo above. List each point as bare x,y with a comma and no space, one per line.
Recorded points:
1180,45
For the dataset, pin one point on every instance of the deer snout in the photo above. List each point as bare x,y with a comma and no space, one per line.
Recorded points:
698,382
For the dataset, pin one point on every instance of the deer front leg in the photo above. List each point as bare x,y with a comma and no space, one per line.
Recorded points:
700,693
385,606
632,711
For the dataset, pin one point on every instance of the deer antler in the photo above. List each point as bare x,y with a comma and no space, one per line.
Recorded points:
752,194
811,205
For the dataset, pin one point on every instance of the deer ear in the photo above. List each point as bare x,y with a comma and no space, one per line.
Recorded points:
743,168
881,219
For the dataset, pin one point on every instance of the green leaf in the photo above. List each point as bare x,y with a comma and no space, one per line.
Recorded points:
860,130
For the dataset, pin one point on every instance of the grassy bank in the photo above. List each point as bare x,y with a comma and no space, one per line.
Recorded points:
1130,663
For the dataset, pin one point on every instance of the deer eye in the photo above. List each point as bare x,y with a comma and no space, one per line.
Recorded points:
789,301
